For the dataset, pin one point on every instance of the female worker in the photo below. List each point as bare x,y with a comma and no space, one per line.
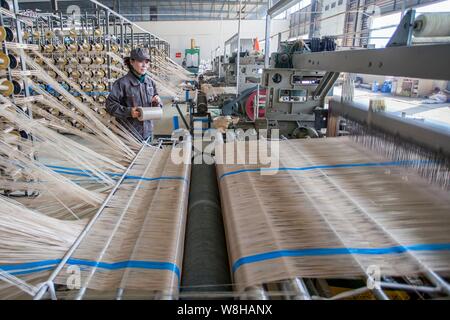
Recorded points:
134,90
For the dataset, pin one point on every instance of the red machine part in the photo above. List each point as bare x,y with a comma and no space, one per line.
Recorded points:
250,104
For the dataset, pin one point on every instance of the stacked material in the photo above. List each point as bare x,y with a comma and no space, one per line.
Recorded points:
331,209
134,247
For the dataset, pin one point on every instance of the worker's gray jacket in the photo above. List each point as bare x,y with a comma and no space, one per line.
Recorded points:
127,92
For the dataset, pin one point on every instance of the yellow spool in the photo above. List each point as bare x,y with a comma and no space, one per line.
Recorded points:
60,48
114,48
100,87
38,60
72,33
49,34
85,47
2,33
99,73
36,34
101,99
72,47
98,47
87,87
49,48
99,60
4,60
6,87
97,32
75,74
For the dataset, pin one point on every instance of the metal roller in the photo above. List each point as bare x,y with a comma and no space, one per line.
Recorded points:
205,263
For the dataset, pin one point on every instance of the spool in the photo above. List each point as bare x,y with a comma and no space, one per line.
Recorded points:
4,60
101,99
85,60
72,33
18,87
87,74
9,35
2,33
8,5
6,87
38,60
85,47
99,73
13,61
59,33
149,113
72,47
114,48
72,61
100,87
36,34
48,48
75,74
26,35
87,87
435,24
98,47
49,34
60,47
99,60
61,61
97,32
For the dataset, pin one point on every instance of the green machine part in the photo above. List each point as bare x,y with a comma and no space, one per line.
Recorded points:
192,59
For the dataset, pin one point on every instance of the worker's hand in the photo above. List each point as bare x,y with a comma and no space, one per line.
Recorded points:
135,113
156,101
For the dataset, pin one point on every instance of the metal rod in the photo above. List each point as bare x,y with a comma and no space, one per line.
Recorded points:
238,56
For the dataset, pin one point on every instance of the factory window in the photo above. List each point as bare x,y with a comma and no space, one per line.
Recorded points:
340,2
327,7
333,5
